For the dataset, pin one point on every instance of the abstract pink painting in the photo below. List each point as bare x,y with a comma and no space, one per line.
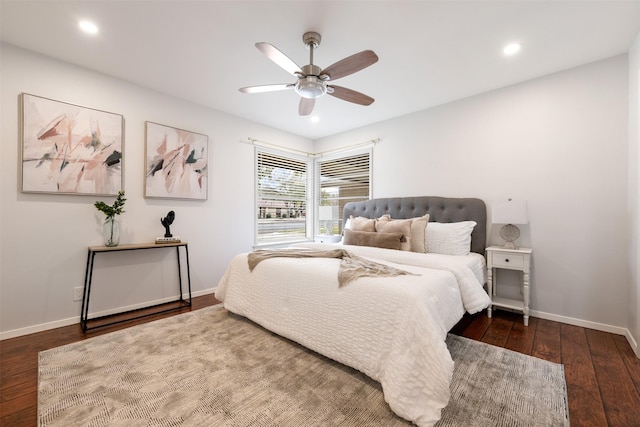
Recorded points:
176,163
69,149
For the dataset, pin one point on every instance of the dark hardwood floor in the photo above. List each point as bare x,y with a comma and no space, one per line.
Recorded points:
602,373
601,370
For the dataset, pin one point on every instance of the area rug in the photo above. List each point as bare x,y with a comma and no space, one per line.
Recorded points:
210,367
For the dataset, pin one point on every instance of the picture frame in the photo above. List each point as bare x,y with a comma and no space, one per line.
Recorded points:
176,163
69,149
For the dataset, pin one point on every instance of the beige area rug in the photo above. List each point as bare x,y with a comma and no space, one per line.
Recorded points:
212,368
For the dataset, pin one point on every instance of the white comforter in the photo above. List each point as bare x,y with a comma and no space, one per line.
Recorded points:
393,329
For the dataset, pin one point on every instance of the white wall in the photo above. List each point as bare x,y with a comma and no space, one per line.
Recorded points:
634,191
44,238
559,142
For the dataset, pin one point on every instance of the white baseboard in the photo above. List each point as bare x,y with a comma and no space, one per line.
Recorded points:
633,343
590,325
579,322
76,319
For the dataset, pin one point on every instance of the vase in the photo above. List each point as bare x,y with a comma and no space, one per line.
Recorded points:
111,232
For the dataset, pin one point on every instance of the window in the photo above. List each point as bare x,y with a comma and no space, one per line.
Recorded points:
282,187
341,180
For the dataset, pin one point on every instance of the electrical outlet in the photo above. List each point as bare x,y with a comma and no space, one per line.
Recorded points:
77,293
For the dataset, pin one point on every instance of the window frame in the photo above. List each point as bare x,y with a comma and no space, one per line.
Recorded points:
318,189
307,198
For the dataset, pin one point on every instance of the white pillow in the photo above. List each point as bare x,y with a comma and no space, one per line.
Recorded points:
347,225
449,238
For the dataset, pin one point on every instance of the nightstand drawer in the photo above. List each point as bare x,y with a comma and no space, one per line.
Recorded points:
515,261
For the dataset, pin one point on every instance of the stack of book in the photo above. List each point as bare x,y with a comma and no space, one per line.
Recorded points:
161,240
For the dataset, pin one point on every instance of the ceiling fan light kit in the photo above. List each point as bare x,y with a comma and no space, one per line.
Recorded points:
310,87
312,80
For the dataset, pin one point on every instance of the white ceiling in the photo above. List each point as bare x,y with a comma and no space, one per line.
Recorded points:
431,52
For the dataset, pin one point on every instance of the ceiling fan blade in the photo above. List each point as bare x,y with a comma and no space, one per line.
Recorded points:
265,88
350,65
306,106
350,95
274,54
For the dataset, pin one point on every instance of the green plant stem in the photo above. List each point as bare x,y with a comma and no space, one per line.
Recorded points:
111,237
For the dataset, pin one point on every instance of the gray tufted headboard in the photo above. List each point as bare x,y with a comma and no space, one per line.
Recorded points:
440,209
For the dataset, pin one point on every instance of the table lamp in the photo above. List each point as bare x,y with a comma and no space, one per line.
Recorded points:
509,213
325,213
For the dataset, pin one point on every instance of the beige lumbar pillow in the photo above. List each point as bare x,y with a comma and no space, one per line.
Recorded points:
369,238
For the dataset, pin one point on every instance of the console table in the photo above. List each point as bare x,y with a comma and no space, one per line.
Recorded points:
93,250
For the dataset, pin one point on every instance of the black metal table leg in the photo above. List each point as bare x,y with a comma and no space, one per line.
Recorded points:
88,275
186,251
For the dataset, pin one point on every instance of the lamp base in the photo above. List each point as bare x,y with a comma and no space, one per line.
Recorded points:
329,227
509,233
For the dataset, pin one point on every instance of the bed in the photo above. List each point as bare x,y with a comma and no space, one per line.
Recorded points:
392,326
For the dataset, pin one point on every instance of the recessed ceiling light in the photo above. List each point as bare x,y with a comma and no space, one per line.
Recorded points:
511,49
315,119
88,27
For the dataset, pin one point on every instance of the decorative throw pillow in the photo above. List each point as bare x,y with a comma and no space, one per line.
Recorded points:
371,238
449,238
417,229
362,224
402,226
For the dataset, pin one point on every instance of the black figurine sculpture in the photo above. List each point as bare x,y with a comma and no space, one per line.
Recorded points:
167,221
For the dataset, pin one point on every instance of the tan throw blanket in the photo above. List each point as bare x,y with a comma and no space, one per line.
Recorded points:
352,266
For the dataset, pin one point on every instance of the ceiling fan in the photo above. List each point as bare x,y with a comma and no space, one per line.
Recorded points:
312,80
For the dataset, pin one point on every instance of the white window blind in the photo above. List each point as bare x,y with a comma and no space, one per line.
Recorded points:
282,185
341,180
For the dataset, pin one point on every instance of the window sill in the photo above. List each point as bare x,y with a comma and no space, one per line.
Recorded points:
280,244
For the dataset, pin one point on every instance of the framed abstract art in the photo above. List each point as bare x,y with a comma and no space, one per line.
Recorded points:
176,163
69,149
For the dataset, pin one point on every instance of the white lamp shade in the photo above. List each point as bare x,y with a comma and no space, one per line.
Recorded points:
510,212
325,213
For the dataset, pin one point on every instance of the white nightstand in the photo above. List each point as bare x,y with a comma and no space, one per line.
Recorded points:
328,238
509,259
